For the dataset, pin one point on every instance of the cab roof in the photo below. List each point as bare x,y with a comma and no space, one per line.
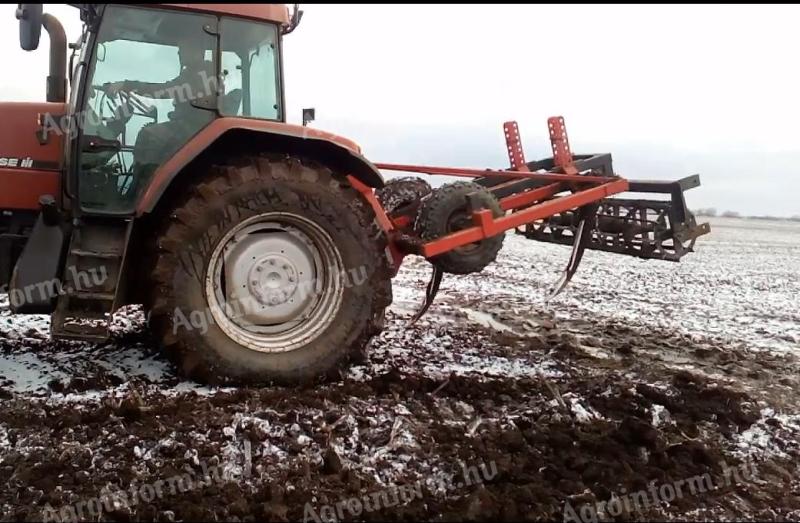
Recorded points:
276,13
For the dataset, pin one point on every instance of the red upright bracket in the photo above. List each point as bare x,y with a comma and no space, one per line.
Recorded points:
562,155
514,145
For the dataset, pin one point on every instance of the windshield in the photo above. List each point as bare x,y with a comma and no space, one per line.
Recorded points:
250,69
151,84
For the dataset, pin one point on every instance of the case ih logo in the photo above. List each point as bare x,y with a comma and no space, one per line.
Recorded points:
25,163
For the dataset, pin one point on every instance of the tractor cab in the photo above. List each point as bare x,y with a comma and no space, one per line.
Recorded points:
146,79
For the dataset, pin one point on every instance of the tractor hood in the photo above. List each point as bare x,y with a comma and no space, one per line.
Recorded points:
18,133
28,169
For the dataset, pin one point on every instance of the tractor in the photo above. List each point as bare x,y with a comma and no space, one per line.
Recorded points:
161,171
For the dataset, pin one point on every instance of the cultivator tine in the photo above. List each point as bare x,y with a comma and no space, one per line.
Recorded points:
583,234
430,293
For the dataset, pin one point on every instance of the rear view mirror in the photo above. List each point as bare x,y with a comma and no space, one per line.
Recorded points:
308,116
30,25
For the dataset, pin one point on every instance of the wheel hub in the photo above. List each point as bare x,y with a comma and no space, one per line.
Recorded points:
270,276
459,221
273,280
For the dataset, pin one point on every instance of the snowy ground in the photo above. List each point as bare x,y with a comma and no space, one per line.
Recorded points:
640,371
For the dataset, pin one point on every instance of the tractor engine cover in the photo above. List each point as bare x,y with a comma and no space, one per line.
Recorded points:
449,209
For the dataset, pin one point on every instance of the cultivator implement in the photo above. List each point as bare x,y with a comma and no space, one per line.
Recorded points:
564,199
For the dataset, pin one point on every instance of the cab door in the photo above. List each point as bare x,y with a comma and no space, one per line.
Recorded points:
151,86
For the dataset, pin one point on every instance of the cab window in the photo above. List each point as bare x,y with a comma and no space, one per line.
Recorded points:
250,69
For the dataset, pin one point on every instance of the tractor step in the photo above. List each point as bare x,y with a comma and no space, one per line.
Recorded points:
91,280
94,254
78,329
98,296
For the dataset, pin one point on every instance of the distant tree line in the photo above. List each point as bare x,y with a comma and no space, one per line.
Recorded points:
711,212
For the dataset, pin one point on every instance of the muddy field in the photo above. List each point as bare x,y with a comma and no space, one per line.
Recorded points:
641,376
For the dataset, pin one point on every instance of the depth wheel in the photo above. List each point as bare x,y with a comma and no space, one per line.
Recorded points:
447,211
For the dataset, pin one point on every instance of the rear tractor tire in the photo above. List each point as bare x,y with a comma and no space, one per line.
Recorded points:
271,270
446,211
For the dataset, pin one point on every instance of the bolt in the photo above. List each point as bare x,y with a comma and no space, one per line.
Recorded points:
291,279
272,262
259,269
285,267
254,282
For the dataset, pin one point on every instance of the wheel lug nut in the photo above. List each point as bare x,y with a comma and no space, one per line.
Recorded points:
259,269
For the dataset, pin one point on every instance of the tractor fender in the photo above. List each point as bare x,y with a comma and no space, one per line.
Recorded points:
338,153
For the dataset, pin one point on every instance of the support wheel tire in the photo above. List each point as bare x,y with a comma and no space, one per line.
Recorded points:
402,192
271,270
446,211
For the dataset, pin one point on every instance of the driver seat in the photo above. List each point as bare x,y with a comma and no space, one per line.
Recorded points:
231,102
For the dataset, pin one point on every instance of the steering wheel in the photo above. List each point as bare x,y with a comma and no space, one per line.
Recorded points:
123,105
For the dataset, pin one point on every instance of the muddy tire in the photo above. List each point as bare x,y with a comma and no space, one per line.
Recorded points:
444,212
320,290
402,192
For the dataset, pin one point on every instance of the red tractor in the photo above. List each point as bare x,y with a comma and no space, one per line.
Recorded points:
161,171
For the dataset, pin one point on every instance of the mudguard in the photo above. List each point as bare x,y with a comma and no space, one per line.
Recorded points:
335,151
35,283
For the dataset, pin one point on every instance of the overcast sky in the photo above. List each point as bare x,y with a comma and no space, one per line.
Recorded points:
669,90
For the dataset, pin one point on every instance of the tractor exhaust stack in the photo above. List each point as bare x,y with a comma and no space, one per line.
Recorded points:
57,79
31,21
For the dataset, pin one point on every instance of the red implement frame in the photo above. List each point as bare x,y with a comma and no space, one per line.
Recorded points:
567,190
516,157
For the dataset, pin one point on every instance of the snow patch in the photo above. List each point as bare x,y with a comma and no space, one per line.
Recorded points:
771,436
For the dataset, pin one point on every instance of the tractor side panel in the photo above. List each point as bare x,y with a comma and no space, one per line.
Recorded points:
28,169
21,188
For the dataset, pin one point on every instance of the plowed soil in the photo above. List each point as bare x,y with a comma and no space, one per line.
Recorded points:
641,374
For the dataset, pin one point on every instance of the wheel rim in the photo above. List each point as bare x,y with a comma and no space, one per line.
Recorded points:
274,282
459,221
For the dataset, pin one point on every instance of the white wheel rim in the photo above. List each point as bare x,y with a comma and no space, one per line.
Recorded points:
275,282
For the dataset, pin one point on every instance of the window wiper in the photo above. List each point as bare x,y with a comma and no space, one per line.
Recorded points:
75,46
